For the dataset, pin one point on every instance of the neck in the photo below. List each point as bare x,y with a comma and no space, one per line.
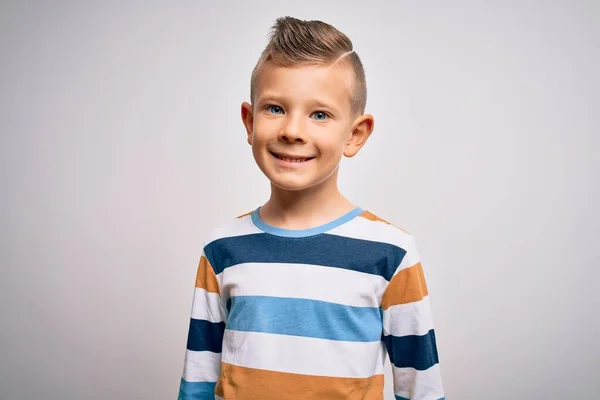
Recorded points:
306,208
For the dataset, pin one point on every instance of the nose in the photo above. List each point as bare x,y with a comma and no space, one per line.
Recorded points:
292,130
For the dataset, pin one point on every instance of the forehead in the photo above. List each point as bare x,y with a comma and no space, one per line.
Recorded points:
324,83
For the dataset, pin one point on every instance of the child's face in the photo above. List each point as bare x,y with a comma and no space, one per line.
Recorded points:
301,123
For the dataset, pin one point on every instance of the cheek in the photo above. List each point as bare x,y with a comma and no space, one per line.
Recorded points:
259,134
265,126
334,143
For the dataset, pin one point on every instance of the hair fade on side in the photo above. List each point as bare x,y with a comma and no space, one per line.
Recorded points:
296,42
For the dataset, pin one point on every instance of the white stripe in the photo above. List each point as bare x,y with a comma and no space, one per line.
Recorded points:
218,397
231,228
207,306
314,282
201,366
411,258
410,383
408,319
302,355
377,231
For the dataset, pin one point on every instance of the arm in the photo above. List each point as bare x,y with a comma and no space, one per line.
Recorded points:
408,332
204,344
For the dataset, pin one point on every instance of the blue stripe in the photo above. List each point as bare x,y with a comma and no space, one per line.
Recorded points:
205,336
303,317
196,390
273,230
418,352
327,250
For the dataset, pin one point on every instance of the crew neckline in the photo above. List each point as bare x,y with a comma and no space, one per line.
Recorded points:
298,233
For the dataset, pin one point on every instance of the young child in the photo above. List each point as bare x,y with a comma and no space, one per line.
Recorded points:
305,297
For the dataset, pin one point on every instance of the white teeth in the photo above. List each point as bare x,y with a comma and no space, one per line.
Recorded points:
293,160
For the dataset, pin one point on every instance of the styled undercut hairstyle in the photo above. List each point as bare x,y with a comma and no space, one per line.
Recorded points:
294,42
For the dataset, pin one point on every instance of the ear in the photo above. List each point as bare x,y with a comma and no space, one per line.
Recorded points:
248,120
362,129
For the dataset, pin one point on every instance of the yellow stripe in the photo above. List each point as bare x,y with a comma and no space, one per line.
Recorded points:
248,383
206,278
407,286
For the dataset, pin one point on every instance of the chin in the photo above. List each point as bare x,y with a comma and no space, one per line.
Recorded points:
291,186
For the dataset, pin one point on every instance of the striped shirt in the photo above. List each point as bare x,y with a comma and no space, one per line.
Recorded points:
310,314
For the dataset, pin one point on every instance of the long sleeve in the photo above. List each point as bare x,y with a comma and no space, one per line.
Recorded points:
408,332
205,338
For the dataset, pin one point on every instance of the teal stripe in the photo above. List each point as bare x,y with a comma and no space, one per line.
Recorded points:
303,317
196,390
413,351
205,335
324,250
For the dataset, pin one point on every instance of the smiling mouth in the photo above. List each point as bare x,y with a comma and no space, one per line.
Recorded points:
290,158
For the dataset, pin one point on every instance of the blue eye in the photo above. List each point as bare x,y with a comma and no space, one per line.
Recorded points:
320,116
274,109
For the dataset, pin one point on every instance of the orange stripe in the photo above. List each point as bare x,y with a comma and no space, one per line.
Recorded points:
407,286
372,217
206,278
244,215
248,383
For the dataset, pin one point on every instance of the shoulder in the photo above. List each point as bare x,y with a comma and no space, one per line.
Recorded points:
379,229
385,230
235,226
382,223
374,224
371,227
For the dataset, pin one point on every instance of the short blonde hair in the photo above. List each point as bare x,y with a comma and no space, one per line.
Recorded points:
296,42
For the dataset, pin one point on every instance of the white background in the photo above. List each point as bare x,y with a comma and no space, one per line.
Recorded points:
121,147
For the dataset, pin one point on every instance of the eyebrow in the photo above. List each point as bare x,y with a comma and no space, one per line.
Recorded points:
319,103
